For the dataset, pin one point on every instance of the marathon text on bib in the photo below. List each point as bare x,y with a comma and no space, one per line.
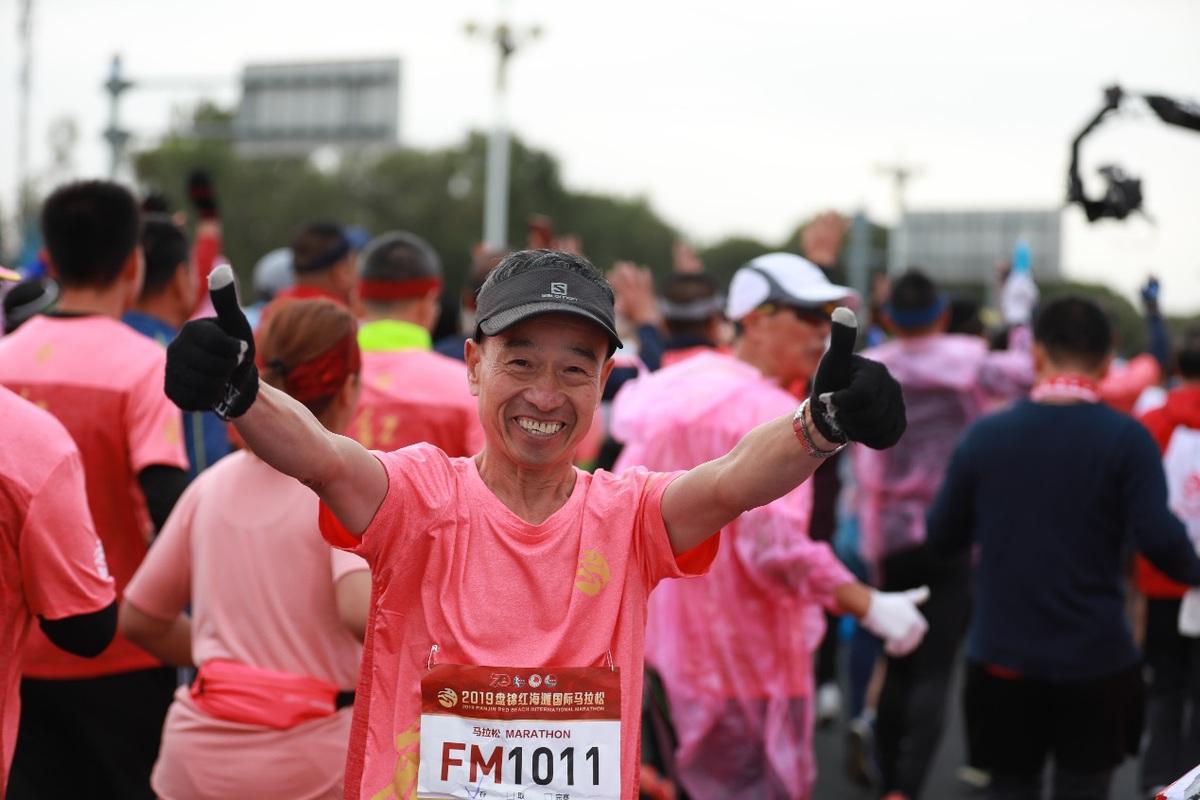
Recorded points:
504,733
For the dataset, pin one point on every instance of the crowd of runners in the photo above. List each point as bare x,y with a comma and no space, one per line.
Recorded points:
577,536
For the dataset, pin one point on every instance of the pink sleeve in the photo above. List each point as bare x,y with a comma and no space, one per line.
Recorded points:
63,572
650,531
772,544
162,585
153,422
1006,374
420,486
342,564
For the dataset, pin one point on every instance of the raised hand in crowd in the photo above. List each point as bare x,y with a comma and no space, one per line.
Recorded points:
822,238
635,297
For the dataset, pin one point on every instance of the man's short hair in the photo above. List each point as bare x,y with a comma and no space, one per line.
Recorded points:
914,301
399,257
165,249
90,229
1187,353
318,247
690,302
1074,330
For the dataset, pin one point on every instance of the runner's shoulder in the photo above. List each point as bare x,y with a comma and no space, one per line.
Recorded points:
35,441
423,471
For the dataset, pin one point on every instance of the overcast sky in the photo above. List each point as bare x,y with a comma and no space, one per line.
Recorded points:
730,117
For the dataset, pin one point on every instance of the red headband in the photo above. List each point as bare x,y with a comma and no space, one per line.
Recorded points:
323,375
397,290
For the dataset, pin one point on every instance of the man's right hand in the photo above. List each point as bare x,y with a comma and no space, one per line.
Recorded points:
210,364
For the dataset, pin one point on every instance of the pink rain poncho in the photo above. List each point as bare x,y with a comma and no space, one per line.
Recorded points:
734,648
948,380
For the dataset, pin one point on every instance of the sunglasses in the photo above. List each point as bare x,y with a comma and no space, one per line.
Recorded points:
814,314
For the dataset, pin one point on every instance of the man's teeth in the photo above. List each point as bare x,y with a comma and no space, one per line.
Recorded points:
540,428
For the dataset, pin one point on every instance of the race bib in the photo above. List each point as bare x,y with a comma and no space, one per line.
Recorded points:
502,733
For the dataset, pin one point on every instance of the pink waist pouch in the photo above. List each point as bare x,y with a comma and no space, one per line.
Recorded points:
256,696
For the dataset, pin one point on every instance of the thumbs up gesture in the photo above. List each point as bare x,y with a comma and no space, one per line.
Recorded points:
853,398
210,364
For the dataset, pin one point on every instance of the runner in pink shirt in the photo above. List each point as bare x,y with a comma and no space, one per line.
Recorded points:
504,649
103,381
410,393
735,648
274,611
51,562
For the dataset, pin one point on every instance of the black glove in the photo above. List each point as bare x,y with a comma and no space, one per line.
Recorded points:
210,364
854,398
201,194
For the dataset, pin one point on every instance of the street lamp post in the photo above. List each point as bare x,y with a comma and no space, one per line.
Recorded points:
900,173
495,215
116,136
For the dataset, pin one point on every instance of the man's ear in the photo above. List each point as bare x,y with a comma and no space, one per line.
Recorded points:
750,322
474,357
345,273
1040,359
184,285
432,308
133,274
605,371
1102,370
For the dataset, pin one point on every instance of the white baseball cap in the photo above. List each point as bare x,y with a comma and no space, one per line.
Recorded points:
783,278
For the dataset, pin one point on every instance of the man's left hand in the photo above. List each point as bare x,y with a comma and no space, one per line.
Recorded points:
854,398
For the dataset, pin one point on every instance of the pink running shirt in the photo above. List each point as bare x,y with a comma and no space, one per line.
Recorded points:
411,396
455,568
242,546
51,562
104,382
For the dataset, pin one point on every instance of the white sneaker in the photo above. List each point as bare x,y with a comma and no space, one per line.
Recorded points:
974,777
860,751
829,704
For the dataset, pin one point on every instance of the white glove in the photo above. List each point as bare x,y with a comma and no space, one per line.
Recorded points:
893,617
1189,614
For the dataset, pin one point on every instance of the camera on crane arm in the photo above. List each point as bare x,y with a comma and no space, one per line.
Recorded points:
1123,192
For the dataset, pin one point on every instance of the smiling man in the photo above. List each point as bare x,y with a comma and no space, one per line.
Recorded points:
509,599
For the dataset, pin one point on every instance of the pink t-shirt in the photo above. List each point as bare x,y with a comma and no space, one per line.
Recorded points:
242,546
104,382
51,562
411,396
455,568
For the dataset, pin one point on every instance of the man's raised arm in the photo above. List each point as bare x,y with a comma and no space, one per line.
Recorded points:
210,365
853,399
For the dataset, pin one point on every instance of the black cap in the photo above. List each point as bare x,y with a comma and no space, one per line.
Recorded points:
507,299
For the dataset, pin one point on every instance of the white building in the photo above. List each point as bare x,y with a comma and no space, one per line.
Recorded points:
297,108
964,246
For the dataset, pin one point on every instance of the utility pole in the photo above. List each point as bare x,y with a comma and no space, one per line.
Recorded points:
24,92
507,41
116,136
900,174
